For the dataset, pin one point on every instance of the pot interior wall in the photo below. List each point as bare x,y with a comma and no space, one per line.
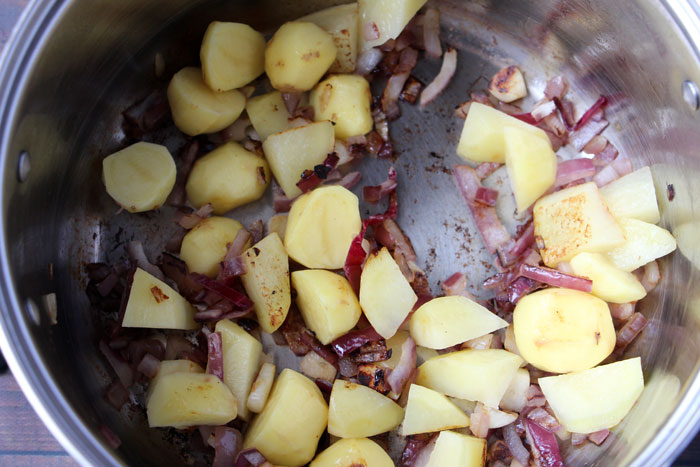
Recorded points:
68,117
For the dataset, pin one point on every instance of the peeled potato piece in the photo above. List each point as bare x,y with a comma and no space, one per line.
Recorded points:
205,246
321,226
154,304
268,114
345,101
228,177
298,55
563,330
140,177
457,450
356,411
353,452
428,411
181,400
381,20
341,23
232,55
609,283
196,109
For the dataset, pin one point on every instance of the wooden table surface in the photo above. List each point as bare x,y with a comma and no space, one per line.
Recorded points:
24,441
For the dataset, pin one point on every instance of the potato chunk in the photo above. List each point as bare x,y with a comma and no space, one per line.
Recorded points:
260,390
356,411
573,220
386,296
232,55
341,22
644,243
181,400
563,330
609,283
292,151
531,165
205,246
172,366
298,55
196,109
457,450
394,344
287,431
381,20
327,303
139,178
321,226
482,138
633,196
446,321
268,114
154,304
344,100
508,84
475,375
228,177
353,452
594,399
242,354
515,397
267,281
428,411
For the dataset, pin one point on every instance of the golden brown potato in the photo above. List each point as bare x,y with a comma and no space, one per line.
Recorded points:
340,22
139,178
228,177
196,109
205,246
345,101
232,55
298,55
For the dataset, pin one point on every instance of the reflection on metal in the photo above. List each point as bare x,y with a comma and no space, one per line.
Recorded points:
691,94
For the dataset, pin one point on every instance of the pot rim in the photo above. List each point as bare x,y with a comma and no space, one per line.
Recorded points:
36,22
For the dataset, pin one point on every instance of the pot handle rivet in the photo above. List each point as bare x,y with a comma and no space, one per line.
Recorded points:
24,166
691,94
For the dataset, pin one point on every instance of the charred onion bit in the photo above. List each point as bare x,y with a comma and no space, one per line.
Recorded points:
238,300
414,445
356,254
352,341
588,114
373,376
372,194
545,444
227,444
375,351
215,355
310,179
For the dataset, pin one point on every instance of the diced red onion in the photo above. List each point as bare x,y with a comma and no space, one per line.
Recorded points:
566,110
462,110
596,145
588,115
514,110
389,234
323,351
456,284
370,31
417,451
188,221
545,443
215,355
310,179
542,110
486,196
354,340
227,444
577,439
235,131
572,170
526,117
280,202
580,137
651,277
112,439
622,311
291,101
556,87
515,445
236,298
634,325
606,156
372,194
535,397
543,418
597,437
622,165
479,422
149,365
606,175
347,367
447,70
231,267
556,278
508,256
407,363
485,169
138,257
117,395
411,90
431,33
395,84
120,367
250,458
349,180
368,60
490,227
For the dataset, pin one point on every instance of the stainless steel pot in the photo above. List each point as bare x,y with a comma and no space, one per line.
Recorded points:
72,66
